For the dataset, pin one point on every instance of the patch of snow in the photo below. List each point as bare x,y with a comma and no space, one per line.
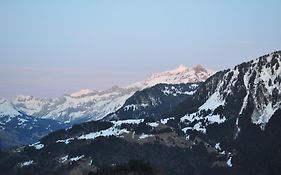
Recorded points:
76,158
190,118
135,107
186,128
217,146
213,102
165,121
66,122
108,132
129,121
63,159
210,119
27,163
127,107
154,124
144,136
197,127
112,131
246,84
229,163
66,141
215,119
39,146
189,92
21,121
194,86
174,91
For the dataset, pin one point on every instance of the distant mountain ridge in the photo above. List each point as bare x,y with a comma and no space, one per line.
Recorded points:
182,74
93,105
85,105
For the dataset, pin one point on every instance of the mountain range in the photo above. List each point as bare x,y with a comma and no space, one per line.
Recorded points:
227,124
94,105
82,106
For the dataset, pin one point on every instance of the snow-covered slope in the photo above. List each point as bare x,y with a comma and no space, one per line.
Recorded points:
249,90
7,109
93,105
18,129
76,106
182,74
31,105
260,80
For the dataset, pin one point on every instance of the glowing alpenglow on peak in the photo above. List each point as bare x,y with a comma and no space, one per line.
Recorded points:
181,74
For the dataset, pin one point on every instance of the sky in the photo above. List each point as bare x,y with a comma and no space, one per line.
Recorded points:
48,48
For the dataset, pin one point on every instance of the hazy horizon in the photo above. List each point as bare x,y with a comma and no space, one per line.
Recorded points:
55,47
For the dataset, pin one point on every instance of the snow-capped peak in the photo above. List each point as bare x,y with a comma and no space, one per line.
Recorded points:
181,74
82,92
7,109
